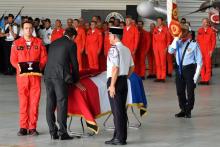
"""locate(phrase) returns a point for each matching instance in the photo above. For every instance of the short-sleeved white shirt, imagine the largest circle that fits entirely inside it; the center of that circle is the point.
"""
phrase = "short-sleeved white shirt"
(45, 35)
(119, 56)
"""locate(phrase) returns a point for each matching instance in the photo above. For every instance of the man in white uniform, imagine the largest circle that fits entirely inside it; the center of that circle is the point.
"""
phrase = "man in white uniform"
(120, 65)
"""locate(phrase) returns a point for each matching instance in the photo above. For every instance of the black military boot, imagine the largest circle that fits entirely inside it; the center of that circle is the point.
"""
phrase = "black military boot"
(22, 132)
(180, 114)
(65, 136)
(33, 132)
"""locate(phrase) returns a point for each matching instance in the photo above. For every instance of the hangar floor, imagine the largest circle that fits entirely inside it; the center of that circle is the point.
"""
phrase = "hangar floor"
(159, 128)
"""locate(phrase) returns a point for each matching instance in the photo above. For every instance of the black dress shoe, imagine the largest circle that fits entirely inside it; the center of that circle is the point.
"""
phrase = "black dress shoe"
(180, 114)
(162, 80)
(201, 83)
(157, 80)
(33, 132)
(22, 132)
(188, 115)
(54, 136)
(207, 83)
(65, 136)
(116, 142)
(169, 75)
(109, 141)
(154, 76)
(149, 77)
(143, 78)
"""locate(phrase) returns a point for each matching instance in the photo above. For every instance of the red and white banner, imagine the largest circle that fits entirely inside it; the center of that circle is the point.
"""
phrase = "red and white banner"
(214, 16)
(172, 18)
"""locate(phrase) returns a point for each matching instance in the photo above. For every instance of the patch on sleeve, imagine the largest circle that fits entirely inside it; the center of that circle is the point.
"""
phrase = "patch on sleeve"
(113, 56)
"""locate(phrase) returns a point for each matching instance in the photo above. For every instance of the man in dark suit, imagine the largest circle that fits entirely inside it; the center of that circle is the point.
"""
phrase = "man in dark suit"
(62, 55)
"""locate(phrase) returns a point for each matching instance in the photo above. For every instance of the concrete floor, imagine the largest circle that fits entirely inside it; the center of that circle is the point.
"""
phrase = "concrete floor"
(159, 129)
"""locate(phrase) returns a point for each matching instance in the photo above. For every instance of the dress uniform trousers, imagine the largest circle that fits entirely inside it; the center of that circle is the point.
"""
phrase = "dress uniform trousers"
(1, 53)
(6, 52)
(57, 98)
(118, 106)
(185, 83)
(47, 47)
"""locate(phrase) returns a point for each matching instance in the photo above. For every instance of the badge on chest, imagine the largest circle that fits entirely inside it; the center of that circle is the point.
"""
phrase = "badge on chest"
(20, 48)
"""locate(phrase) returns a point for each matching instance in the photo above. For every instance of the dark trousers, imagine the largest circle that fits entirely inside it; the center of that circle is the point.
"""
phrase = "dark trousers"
(1, 53)
(47, 47)
(185, 87)
(118, 106)
(57, 97)
(8, 68)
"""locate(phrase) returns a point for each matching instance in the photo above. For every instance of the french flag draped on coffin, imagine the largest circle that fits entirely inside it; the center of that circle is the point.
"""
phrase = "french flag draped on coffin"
(94, 102)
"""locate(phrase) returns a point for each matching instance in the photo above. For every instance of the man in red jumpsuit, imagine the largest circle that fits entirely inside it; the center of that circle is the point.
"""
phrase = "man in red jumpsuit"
(150, 55)
(28, 56)
(160, 45)
(143, 48)
(93, 46)
(80, 42)
(207, 41)
(170, 59)
(107, 44)
(130, 37)
(58, 31)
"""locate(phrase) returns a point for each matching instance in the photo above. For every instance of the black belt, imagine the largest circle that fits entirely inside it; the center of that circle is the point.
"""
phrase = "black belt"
(119, 77)
(123, 76)
(188, 66)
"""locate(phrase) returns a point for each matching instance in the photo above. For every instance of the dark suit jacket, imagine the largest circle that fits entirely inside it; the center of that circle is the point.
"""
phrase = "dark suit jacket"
(62, 61)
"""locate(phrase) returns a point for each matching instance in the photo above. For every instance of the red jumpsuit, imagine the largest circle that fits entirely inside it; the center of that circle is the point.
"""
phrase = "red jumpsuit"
(170, 58)
(80, 42)
(104, 52)
(29, 84)
(160, 45)
(130, 39)
(107, 44)
(56, 34)
(207, 41)
(151, 59)
(141, 54)
(93, 47)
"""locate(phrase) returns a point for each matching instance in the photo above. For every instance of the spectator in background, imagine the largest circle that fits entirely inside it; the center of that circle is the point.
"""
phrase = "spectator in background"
(112, 19)
(45, 33)
(122, 24)
(10, 34)
(110, 24)
(206, 39)
(42, 23)
(183, 21)
(87, 26)
(93, 45)
(69, 23)
(192, 33)
(37, 26)
(81, 22)
(58, 31)
(117, 22)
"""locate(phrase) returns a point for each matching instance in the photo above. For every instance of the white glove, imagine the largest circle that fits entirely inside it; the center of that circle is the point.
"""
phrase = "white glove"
(174, 43)
(196, 75)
